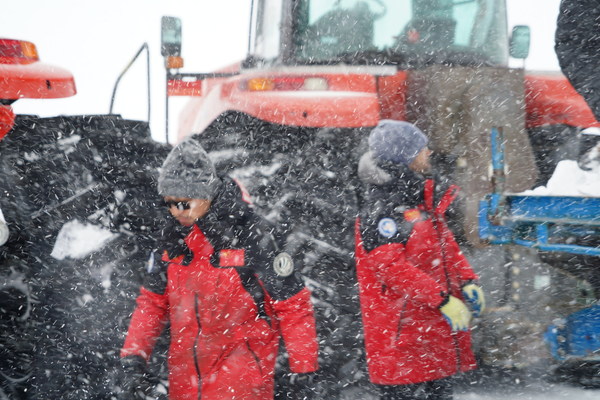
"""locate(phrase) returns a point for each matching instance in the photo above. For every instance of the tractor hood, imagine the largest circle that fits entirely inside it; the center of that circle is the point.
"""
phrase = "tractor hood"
(36, 81)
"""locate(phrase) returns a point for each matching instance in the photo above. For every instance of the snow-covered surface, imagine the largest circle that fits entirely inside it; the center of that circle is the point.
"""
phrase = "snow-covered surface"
(537, 391)
(570, 180)
(77, 240)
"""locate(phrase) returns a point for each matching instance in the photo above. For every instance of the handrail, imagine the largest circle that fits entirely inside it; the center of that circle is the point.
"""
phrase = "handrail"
(112, 99)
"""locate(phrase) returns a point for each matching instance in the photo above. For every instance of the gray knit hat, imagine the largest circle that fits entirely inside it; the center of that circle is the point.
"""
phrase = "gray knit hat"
(188, 172)
(396, 141)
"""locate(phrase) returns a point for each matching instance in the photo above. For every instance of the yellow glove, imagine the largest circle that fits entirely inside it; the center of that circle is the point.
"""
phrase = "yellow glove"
(456, 313)
(474, 295)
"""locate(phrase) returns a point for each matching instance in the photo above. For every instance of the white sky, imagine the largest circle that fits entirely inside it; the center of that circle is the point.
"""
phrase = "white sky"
(95, 40)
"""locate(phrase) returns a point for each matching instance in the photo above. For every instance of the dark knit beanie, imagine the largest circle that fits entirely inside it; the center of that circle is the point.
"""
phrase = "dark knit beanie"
(188, 172)
(398, 142)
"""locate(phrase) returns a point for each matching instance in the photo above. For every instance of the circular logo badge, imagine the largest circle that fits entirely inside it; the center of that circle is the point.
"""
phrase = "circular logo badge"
(387, 227)
(283, 265)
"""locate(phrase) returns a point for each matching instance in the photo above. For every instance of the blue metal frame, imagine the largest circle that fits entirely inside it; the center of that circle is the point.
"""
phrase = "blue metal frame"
(543, 222)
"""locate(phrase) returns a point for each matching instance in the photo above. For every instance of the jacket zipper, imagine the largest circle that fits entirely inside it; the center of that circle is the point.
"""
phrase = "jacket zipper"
(255, 358)
(448, 283)
(399, 328)
(436, 224)
(196, 344)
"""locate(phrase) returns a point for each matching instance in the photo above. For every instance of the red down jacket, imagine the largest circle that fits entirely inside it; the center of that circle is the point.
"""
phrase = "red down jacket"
(227, 312)
(407, 262)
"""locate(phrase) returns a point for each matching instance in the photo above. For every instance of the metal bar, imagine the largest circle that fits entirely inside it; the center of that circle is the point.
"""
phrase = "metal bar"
(564, 248)
(200, 76)
(114, 93)
(542, 233)
(47, 209)
(251, 28)
(557, 221)
(497, 199)
(167, 108)
(497, 140)
(555, 207)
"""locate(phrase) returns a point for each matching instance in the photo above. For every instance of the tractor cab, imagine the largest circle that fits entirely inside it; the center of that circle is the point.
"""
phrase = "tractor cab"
(407, 33)
(315, 63)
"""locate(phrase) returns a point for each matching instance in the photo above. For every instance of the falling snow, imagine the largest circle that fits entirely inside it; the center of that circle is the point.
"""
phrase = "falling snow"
(80, 211)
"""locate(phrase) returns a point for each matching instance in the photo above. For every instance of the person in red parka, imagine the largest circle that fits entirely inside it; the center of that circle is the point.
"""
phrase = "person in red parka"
(227, 291)
(413, 278)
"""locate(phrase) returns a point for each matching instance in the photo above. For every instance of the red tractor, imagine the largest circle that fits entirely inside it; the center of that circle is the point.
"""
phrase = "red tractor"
(291, 119)
(22, 75)
(442, 64)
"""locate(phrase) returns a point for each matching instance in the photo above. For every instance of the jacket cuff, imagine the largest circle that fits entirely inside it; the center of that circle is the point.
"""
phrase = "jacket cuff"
(445, 299)
(133, 361)
(303, 367)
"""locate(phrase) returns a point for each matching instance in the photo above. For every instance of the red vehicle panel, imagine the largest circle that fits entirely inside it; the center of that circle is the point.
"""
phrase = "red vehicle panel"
(22, 75)
(551, 100)
(35, 81)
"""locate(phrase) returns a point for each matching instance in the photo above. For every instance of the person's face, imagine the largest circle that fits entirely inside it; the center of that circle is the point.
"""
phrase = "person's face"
(422, 162)
(187, 211)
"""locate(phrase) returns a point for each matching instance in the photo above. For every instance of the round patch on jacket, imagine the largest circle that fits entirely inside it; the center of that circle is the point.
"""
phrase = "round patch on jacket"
(387, 227)
(283, 265)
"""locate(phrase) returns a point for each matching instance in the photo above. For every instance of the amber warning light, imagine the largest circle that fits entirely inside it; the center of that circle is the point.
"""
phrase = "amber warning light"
(17, 51)
(285, 83)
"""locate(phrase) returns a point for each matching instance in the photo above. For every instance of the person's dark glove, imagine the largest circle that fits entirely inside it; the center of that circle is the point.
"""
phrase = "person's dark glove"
(131, 378)
(172, 240)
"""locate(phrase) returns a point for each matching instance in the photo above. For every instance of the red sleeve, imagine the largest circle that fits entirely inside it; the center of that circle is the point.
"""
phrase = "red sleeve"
(455, 257)
(403, 279)
(147, 323)
(297, 324)
(407, 281)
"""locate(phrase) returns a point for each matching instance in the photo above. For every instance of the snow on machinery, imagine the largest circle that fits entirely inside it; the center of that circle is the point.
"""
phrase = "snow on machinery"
(290, 122)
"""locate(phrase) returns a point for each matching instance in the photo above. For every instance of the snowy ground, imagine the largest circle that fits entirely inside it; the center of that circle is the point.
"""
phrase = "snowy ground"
(536, 391)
